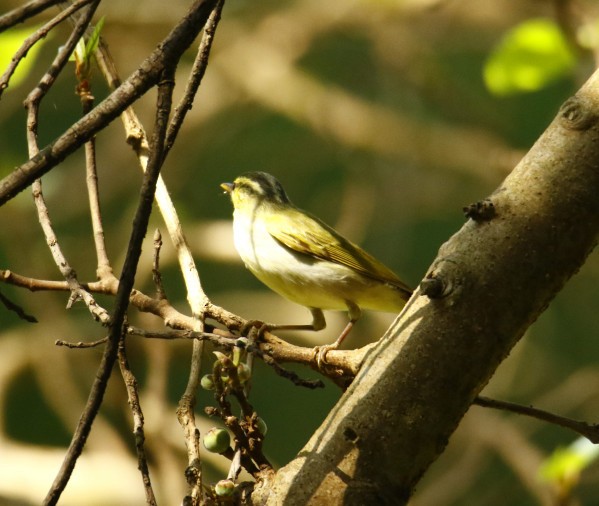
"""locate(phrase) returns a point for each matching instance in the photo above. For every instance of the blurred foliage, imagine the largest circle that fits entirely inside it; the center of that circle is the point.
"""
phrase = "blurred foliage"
(564, 465)
(376, 117)
(10, 42)
(530, 56)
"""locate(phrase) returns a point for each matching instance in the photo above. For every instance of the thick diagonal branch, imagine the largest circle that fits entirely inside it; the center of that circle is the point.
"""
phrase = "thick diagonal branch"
(492, 279)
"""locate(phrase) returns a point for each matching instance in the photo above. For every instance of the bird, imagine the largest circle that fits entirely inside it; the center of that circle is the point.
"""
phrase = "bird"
(305, 260)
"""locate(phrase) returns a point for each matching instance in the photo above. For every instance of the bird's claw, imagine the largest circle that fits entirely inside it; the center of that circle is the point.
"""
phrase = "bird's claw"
(320, 354)
(259, 325)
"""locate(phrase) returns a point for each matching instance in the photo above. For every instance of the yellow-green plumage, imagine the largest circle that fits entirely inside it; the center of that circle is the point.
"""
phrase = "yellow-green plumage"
(302, 258)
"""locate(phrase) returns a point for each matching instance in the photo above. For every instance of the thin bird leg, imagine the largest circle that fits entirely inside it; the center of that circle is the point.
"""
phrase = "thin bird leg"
(354, 313)
(318, 323)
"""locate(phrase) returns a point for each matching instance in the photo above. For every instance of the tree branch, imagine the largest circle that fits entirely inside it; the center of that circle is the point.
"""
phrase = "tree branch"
(497, 277)
(197, 73)
(146, 76)
(590, 431)
(39, 34)
(138, 422)
(140, 224)
(20, 14)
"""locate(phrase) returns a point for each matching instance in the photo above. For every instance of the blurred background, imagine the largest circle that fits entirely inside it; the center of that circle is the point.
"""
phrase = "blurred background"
(382, 117)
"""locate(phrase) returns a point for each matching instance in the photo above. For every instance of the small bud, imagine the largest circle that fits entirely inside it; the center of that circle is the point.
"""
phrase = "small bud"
(224, 488)
(243, 372)
(221, 356)
(207, 382)
(216, 440)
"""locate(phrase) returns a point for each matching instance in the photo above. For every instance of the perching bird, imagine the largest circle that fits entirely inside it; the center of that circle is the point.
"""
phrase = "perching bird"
(305, 260)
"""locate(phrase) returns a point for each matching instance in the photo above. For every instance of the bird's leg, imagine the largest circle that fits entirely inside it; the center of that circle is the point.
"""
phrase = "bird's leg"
(318, 323)
(354, 313)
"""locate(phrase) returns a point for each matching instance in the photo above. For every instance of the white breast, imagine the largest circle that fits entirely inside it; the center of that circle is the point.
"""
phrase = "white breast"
(309, 282)
(306, 280)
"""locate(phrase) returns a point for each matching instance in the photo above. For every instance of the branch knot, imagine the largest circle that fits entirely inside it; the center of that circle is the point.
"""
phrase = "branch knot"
(577, 114)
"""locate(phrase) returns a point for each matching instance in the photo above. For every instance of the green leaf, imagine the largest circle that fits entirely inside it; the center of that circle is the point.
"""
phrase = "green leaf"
(10, 42)
(78, 54)
(565, 464)
(528, 58)
(94, 39)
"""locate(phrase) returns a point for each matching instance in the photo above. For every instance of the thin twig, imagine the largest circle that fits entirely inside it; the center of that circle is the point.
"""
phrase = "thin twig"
(160, 308)
(77, 290)
(20, 14)
(140, 224)
(138, 422)
(285, 373)
(80, 344)
(11, 306)
(196, 296)
(222, 341)
(146, 76)
(590, 431)
(197, 73)
(156, 275)
(103, 270)
(274, 349)
(37, 36)
(235, 467)
(33, 103)
(186, 417)
(35, 285)
(89, 413)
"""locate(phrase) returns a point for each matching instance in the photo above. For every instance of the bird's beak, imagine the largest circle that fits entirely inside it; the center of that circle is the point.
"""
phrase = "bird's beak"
(227, 187)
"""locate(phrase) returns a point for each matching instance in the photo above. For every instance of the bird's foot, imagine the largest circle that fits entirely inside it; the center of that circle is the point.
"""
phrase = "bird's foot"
(320, 354)
(259, 325)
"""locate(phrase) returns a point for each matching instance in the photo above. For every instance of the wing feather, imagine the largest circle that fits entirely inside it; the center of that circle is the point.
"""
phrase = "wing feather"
(306, 234)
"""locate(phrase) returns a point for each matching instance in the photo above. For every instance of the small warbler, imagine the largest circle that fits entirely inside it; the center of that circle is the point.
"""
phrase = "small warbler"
(305, 260)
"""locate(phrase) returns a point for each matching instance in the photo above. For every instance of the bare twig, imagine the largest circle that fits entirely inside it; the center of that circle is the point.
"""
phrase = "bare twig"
(272, 350)
(142, 302)
(235, 468)
(80, 344)
(590, 431)
(287, 374)
(156, 275)
(23, 12)
(77, 290)
(103, 270)
(215, 336)
(146, 76)
(140, 224)
(138, 422)
(38, 35)
(32, 103)
(186, 417)
(11, 306)
(36, 285)
(196, 296)
(197, 73)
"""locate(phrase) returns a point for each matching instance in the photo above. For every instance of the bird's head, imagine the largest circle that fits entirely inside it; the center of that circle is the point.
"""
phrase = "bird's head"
(254, 188)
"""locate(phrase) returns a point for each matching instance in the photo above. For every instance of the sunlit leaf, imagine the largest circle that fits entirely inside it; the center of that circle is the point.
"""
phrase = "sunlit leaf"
(564, 466)
(94, 39)
(78, 55)
(10, 42)
(529, 57)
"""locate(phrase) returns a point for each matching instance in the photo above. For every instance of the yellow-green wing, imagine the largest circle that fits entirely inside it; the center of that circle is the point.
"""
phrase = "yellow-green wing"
(306, 234)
